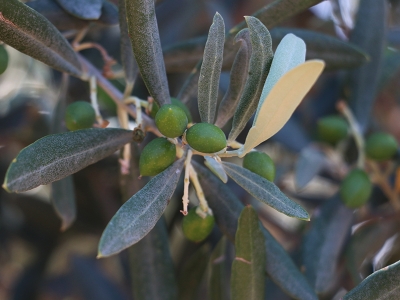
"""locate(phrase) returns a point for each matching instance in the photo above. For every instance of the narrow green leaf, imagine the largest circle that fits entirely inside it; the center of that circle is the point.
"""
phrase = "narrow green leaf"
(380, 285)
(218, 283)
(265, 191)
(260, 62)
(336, 54)
(238, 77)
(216, 168)
(63, 200)
(324, 243)
(129, 63)
(211, 70)
(370, 36)
(29, 32)
(57, 15)
(290, 53)
(248, 279)
(279, 266)
(83, 9)
(309, 163)
(153, 276)
(146, 45)
(109, 14)
(191, 85)
(141, 212)
(390, 67)
(58, 155)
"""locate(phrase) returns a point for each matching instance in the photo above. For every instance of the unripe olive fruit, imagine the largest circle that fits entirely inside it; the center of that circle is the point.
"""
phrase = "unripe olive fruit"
(261, 164)
(176, 102)
(206, 138)
(171, 120)
(158, 155)
(79, 115)
(381, 146)
(195, 228)
(332, 129)
(3, 59)
(355, 189)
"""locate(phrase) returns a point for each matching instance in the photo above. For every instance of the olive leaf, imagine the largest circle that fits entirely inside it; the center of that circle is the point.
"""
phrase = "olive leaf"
(83, 9)
(152, 268)
(216, 168)
(109, 14)
(380, 285)
(248, 275)
(146, 45)
(58, 155)
(238, 77)
(29, 32)
(281, 102)
(141, 212)
(210, 70)
(218, 281)
(309, 163)
(290, 53)
(260, 62)
(63, 200)
(265, 191)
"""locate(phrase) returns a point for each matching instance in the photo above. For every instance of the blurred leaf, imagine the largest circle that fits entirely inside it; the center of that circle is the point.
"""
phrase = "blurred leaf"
(309, 163)
(146, 45)
(382, 284)
(153, 276)
(109, 14)
(248, 279)
(336, 54)
(29, 32)
(141, 212)
(58, 155)
(211, 70)
(260, 62)
(265, 191)
(290, 53)
(281, 102)
(279, 266)
(83, 9)
(324, 243)
(128, 59)
(390, 66)
(192, 274)
(370, 36)
(191, 85)
(63, 200)
(216, 168)
(57, 15)
(365, 243)
(219, 277)
(238, 77)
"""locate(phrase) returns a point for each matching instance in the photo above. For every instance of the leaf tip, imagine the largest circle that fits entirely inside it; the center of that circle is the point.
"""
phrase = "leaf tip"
(4, 186)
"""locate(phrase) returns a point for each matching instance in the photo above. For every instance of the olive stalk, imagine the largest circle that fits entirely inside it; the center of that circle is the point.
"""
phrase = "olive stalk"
(93, 99)
(203, 204)
(186, 182)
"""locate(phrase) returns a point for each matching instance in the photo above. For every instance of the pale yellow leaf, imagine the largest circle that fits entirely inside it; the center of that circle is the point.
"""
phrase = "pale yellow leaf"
(281, 102)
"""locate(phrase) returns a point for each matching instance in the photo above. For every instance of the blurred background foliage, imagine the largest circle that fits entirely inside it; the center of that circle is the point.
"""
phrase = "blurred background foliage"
(335, 251)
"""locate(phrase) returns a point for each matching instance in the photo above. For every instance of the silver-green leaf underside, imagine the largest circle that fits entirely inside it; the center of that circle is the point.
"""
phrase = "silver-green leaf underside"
(83, 9)
(58, 155)
(63, 200)
(141, 212)
(146, 45)
(211, 70)
(29, 32)
(260, 62)
(216, 168)
(248, 271)
(238, 77)
(290, 53)
(380, 285)
(265, 191)
(309, 163)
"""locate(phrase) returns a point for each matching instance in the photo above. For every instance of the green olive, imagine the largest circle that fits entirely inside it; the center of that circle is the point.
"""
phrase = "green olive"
(356, 188)
(158, 155)
(79, 115)
(381, 146)
(206, 138)
(3, 59)
(261, 164)
(176, 102)
(332, 129)
(195, 228)
(171, 120)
